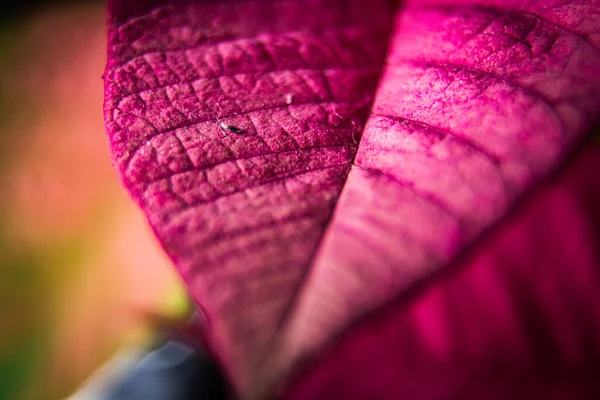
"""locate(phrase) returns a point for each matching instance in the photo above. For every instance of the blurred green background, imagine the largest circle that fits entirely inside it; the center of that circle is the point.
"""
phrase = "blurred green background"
(79, 269)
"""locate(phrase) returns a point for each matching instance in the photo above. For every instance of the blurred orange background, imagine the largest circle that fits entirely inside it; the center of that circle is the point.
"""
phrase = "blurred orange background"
(79, 267)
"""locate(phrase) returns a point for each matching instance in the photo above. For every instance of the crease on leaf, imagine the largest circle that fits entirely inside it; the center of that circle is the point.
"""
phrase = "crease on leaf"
(514, 316)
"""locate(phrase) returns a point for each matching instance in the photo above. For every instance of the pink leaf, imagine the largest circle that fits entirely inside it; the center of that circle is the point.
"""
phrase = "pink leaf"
(517, 318)
(235, 126)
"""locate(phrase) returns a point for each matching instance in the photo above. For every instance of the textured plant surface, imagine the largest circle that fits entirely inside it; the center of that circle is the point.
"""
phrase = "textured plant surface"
(305, 163)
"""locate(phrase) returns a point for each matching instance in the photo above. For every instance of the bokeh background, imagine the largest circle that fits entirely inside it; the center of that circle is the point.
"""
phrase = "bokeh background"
(80, 271)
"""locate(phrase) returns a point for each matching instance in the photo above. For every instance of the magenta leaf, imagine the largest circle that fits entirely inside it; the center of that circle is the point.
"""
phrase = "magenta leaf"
(306, 162)
(518, 318)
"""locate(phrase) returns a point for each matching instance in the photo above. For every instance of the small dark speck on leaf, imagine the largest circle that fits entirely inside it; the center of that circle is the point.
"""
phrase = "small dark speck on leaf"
(230, 128)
